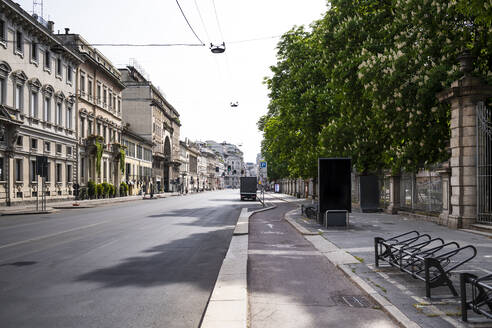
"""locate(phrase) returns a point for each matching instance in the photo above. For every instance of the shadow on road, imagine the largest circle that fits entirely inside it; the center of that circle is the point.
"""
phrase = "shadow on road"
(19, 264)
(200, 215)
(195, 259)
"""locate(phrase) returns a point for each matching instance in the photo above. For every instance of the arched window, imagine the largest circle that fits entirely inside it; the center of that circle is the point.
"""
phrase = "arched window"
(19, 78)
(4, 73)
(34, 87)
(48, 92)
(69, 115)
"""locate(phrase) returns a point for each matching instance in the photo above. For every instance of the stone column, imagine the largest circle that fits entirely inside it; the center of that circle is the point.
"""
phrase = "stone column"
(394, 202)
(463, 96)
(117, 176)
(445, 174)
(9, 170)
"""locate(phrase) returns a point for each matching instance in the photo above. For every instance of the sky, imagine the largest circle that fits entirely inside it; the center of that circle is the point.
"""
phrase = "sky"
(199, 84)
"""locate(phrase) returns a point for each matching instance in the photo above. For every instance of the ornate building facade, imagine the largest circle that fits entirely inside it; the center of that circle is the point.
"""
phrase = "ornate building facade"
(138, 163)
(150, 115)
(37, 108)
(99, 120)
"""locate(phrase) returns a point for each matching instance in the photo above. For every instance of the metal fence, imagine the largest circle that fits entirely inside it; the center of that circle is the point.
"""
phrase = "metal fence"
(418, 192)
(384, 191)
(484, 164)
(421, 191)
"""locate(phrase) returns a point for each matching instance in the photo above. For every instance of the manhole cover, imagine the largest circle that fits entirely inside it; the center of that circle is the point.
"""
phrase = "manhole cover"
(352, 301)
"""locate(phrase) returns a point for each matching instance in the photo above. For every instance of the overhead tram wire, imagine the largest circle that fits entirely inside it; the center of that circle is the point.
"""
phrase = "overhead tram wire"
(101, 44)
(256, 39)
(228, 69)
(191, 28)
(147, 45)
(201, 19)
(209, 39)
(217, 19)
(218, 48)
(176, 44)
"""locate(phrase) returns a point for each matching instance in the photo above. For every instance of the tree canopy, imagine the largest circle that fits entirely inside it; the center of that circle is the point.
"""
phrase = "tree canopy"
(361, 82)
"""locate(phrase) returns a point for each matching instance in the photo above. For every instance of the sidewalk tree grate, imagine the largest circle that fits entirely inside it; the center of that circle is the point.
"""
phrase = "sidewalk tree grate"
(352, 301)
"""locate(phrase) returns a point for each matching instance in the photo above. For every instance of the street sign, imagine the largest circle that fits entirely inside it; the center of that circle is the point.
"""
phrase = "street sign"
(263, 164)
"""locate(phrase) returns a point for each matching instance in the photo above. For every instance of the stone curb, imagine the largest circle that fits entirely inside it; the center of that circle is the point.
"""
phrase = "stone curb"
(30, 212)
(332, 252)
(242, 226)
(385, 304)
(65, 205)
(68, 207)
(228, 304)
(477, 232)
(297, 226)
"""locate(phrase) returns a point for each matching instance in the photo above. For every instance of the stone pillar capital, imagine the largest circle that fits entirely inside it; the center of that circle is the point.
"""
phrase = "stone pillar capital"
(467, 86)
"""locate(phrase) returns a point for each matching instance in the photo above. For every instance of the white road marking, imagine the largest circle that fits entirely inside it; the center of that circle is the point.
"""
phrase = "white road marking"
(51, 235)
(481, 269)
(281, 252)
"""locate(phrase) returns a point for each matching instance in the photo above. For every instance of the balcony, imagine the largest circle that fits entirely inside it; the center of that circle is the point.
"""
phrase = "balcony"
(90, 142)
(116, 150)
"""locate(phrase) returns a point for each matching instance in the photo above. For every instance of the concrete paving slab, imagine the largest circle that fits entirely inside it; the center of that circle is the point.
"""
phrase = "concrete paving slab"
(238, 266)
(228, 305)
(295, 315)
(397, 290)
(336, 255)
(225, 310)
(340, 257)
(226, 324)
(242, 223)
(291, 284)
(321, 244)
(230, 288)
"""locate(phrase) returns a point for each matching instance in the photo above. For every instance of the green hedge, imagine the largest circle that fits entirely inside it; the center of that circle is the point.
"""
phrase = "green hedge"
(123, 189)
(91, 189)
(99, 190)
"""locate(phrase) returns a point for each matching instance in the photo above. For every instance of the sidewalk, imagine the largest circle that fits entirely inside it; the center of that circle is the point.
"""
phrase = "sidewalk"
(402, 291)
(292, 284)
(69, 204)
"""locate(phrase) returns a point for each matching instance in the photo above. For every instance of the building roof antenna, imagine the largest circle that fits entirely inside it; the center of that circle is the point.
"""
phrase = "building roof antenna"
(37, 8)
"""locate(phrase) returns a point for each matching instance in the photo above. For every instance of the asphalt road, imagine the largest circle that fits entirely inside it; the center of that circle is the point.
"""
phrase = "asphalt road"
(148, 263)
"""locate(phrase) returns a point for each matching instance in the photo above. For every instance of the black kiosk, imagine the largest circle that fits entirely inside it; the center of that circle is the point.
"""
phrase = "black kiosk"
(334, 190)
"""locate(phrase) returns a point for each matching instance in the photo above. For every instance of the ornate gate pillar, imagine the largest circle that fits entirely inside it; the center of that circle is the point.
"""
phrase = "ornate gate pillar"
(394, 193)
(445, 174)
(463, 95)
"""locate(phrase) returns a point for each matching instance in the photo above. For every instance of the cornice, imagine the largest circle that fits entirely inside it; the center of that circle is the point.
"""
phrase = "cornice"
(20, 17)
